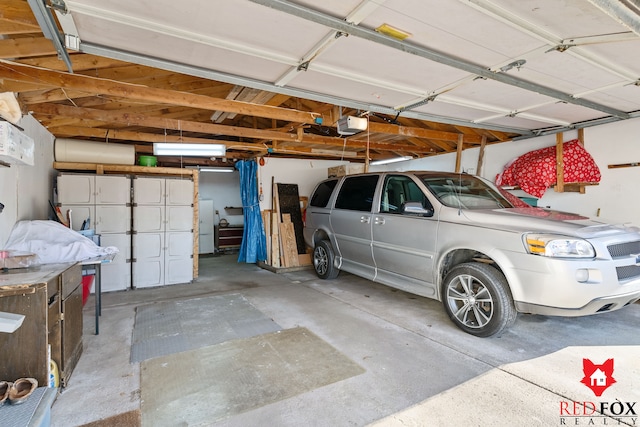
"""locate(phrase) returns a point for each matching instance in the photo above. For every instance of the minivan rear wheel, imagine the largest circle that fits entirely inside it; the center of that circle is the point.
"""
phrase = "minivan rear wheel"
(323, 261)
(477, 299)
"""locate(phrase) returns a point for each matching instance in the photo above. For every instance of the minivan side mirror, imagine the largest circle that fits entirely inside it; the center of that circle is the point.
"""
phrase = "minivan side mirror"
(415, 208)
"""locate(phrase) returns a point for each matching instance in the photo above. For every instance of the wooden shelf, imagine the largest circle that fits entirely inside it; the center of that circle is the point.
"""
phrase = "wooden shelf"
(234, 210)
(575, 187)
(569, 187)
(100, 168)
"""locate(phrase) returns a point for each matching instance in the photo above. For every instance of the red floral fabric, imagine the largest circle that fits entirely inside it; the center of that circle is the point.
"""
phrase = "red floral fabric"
(535, 171)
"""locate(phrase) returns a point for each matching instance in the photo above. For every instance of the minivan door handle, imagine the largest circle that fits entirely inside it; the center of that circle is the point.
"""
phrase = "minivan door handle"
(365, 219)
(378, 220)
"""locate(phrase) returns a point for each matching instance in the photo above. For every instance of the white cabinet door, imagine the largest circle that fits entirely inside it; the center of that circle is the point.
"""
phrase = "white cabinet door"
(149, 191)
(76, 189)
(179, 191)
(178, 270)
(148, 218)
(112, 190)
(116, 276)
(179, 218)
(178, 259)
(122, 241)
(112, 219)
(148, 265)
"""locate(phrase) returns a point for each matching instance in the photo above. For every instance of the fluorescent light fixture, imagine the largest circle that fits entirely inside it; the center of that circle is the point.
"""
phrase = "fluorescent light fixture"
(179, 149)
(212, 168)
(208, 169)
(391, 160)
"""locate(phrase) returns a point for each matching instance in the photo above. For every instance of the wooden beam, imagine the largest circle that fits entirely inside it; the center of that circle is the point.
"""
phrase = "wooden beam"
(581, 136)
(80, 61)
(481, 156)
(459, 153)
(157, 122)
(126, 119)
(25, 47)
(11, 27)
(20, 72)
(18, 11)
(196, 222)
(420, 133)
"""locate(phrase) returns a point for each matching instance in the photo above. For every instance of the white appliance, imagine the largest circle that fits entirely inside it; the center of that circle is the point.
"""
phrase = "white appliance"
(162, 231)
(205, 226)
(105, 202)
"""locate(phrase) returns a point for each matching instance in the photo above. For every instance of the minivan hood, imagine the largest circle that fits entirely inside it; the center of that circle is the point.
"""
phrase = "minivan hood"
(543, 220)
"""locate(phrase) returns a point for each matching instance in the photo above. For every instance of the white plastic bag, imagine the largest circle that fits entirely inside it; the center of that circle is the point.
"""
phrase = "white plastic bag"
(52, 242)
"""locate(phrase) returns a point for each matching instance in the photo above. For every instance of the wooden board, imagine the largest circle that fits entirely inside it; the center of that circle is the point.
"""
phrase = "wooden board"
(288, 242)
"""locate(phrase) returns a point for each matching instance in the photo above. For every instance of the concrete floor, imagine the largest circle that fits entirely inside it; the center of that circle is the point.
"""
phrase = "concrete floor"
(420, 370)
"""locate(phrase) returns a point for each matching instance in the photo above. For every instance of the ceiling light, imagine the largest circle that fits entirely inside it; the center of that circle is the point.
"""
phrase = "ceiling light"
(390, 31)
(391, 160)
(179, 149)
(207, 169)
(211, 168)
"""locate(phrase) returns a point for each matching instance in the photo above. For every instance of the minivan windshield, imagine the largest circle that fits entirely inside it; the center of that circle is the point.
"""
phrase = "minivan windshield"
(465, 192)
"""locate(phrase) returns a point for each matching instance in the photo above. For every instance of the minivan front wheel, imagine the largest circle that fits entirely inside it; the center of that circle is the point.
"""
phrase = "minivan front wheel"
(323, 261)
(477, 299)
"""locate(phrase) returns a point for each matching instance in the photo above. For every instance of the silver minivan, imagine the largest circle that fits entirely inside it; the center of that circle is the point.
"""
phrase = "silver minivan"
(480, 250)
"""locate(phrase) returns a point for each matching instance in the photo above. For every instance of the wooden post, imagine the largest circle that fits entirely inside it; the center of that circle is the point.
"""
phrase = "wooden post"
(459, 153)
(196, 223)
(481, 155)
(559, 164)
(581, 136)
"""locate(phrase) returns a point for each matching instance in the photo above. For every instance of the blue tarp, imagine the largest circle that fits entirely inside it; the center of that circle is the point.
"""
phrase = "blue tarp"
(254, 241)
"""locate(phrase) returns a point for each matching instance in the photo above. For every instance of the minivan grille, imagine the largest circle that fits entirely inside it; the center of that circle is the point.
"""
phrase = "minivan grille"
(624, 249)
(628, 272)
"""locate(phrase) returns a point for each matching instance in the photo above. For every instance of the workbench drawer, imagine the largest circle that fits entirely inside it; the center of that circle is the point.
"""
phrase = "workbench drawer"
(69, 280)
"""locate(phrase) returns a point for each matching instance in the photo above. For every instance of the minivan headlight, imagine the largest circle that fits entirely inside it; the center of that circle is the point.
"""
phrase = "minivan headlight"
(557, 246)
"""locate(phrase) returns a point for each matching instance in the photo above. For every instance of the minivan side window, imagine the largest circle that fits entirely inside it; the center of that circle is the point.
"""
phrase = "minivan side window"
(399, 189)
(321, 196)
(356, 193)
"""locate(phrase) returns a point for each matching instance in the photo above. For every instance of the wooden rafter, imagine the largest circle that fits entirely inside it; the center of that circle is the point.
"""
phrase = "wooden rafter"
(95, 85)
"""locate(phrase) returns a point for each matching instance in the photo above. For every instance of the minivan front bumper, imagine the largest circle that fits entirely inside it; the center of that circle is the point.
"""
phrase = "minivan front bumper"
(598, 305)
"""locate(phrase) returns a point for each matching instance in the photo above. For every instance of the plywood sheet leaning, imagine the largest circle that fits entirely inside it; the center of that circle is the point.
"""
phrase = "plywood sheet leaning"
(289, 203)
(288, 242)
